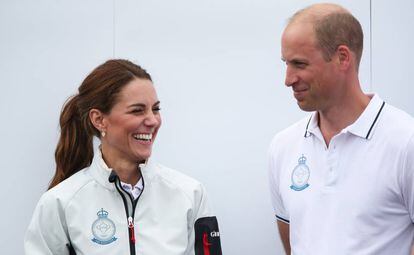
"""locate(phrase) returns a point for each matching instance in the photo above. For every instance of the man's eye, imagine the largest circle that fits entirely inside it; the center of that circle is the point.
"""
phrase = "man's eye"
(300, 64)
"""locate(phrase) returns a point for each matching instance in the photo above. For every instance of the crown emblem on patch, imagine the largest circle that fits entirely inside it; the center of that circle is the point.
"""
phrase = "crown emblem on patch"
(300, 175)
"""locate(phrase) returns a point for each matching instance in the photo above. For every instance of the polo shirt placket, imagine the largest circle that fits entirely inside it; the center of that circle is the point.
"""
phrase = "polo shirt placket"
(329, 155)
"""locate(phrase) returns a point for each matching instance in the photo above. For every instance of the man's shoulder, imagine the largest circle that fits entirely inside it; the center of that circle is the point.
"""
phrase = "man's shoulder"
(294, 131)
(398, 121)
(289, 137)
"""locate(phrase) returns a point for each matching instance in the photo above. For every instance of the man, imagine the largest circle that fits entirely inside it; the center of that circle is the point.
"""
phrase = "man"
(342, 180)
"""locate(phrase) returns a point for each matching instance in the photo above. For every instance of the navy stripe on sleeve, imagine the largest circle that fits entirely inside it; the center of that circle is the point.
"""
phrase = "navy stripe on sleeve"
(282, 219)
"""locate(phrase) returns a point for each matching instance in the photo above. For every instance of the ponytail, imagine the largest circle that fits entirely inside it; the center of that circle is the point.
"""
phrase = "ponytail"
(74, 150)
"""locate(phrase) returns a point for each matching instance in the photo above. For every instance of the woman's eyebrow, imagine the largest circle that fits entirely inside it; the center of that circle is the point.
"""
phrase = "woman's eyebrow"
(137, 105)
(142, 105)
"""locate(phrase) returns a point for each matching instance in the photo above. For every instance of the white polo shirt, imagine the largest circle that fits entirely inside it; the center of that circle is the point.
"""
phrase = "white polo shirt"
(355, 196)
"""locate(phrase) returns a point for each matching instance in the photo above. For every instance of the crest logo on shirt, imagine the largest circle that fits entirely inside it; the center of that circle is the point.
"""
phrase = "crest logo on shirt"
(103, 229)
(300, 175)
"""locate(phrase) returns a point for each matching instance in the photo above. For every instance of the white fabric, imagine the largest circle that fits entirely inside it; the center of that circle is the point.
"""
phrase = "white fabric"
(135, 190)
(360, 198)
(165, 214)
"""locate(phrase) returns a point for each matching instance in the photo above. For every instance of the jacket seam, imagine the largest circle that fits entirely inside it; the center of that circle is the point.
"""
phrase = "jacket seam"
(76, 192)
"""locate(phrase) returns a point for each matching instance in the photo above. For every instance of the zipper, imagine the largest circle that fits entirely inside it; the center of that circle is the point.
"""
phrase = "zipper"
(130, 205)
(131, 230)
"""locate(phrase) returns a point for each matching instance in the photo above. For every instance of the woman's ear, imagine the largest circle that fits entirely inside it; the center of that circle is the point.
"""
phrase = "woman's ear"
(98, 119)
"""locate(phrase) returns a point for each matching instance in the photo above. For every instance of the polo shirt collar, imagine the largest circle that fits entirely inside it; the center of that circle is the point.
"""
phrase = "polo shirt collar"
(362, 127)
(312, 126)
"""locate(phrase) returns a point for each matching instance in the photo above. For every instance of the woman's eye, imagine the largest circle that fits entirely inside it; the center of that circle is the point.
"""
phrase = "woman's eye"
(156, 109)
(136, 111)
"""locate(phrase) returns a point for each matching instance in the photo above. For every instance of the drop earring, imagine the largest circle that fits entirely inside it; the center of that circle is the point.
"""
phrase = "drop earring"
(103, 133)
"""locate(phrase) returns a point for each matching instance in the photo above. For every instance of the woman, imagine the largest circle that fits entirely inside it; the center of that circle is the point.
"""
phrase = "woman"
(116, 200)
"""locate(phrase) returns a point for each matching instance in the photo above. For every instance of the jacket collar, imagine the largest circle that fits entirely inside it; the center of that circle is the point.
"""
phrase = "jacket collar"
(100, 171)
(363, 127)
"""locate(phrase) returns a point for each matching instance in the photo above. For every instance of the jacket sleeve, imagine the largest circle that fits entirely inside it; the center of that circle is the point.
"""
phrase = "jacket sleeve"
(47, 232)
(204, 234)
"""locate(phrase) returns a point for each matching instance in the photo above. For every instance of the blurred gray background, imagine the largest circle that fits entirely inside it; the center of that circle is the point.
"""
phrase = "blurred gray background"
(217, 69)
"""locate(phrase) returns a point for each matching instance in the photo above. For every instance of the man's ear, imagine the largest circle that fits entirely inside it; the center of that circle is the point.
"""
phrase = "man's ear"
(344, 56)
(98, 119)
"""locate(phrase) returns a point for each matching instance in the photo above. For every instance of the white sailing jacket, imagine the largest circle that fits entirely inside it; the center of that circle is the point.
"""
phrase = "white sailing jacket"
(90, 213)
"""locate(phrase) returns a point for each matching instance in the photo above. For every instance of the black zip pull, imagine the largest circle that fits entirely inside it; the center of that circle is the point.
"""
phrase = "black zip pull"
(70, 248)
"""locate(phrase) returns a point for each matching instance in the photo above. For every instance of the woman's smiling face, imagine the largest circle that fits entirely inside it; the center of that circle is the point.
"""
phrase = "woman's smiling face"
(133, 122)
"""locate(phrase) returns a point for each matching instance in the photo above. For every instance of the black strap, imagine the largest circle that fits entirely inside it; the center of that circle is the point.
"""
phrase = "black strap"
(70, 248)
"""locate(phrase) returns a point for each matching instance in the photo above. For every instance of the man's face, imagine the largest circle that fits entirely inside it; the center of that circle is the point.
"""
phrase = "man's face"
(312, 79)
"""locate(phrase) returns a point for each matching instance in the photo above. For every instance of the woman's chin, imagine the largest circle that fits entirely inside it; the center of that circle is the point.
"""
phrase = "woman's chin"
(142, 156)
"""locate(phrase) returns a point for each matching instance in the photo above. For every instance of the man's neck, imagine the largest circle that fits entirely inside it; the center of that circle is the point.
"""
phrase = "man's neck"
(342, 114)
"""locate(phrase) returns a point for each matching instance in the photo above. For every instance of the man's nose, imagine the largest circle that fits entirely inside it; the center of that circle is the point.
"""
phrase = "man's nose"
(291, 76)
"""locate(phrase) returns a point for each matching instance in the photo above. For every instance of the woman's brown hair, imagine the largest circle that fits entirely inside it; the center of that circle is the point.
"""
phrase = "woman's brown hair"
(99, 90)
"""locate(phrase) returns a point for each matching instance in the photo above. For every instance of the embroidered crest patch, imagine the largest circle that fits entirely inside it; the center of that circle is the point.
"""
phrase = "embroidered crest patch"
(103, 229)
(300, 175)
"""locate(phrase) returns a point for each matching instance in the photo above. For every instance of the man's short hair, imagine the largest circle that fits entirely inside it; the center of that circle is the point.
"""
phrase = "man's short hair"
(333, 29)
(338, 29)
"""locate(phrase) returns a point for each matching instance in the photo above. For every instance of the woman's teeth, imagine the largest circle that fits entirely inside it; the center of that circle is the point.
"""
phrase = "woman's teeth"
(144, 137)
